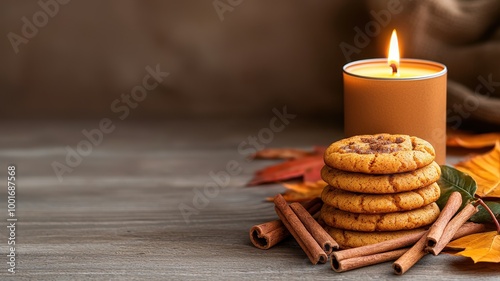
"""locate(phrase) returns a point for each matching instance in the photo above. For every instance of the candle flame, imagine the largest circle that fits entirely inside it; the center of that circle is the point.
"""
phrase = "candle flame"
(393, 57)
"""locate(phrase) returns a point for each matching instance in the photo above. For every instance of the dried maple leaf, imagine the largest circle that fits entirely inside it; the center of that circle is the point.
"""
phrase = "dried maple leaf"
(313, 173)
(289, 169)
(303, 191)
(485, 169)
(460, 139)
(481, 247)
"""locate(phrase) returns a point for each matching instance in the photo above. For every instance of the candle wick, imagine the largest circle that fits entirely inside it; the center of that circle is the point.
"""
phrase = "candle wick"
(394, 68)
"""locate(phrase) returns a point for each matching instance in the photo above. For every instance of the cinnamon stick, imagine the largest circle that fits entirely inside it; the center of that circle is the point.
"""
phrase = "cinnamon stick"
(378, 247)
(412, 256)
(358, 257)
(266, 235)
(452, 227)
(469, 228)
(317, 232)
(314, 206)
(449, 210)
(362, 261)
(408, 259)
(299, 231)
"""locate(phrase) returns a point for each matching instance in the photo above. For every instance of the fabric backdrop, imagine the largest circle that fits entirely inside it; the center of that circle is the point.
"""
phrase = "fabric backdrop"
(465, 36)
(238, 58)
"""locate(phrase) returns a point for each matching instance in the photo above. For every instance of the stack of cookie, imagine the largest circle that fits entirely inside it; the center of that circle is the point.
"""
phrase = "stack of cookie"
(380, 187)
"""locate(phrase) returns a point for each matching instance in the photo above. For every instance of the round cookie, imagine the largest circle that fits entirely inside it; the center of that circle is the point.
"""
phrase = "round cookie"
(380, 222)
(381, 184)
(352, 239)
(379, 154)
(384, 203)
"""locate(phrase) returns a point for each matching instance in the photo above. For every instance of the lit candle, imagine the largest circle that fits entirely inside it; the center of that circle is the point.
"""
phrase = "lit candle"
(397, 96)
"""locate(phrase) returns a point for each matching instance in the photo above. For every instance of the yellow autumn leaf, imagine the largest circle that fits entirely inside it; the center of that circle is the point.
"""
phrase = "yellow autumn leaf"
(485, 169)
(306, 187)
(302, 191)
(481, 247)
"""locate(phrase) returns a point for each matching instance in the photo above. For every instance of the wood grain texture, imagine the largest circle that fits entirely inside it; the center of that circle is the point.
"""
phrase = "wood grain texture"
(116, 216)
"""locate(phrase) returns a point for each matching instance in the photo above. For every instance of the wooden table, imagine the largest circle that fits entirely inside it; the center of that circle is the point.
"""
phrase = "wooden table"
(116, 215)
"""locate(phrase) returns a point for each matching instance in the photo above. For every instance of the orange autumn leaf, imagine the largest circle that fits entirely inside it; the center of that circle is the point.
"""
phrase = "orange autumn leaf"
(485, 169)
(303, 191)
(481, 247)
(460, 139)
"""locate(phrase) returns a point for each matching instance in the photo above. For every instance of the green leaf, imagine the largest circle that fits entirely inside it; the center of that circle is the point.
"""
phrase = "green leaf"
(483, 216)
(453, 180)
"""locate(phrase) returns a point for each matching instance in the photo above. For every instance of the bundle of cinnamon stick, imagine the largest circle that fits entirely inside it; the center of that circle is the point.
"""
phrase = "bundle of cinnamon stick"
(266, 235)
(311, 236)
(317, 244)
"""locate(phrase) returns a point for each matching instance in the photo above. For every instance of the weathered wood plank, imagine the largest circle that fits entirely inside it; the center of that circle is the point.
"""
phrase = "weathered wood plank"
(116, 216)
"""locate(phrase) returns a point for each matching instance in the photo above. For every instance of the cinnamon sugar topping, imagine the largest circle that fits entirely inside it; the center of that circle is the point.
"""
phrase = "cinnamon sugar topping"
(372, 145)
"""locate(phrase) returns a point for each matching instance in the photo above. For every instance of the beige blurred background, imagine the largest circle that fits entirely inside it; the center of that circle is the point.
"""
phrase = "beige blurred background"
(263, 54)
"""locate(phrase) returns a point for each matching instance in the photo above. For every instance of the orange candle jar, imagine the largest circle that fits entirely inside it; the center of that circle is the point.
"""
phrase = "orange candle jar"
(413, 102)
